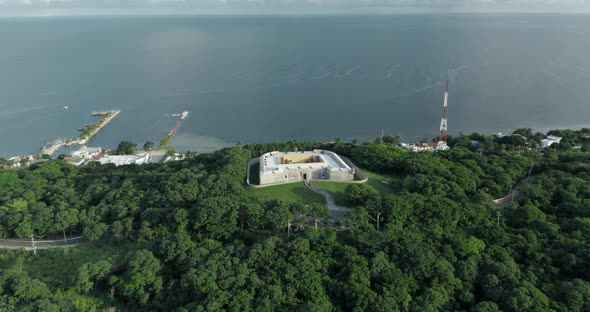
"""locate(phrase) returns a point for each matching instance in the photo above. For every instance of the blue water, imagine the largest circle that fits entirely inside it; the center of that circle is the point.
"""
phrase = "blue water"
(262, 79)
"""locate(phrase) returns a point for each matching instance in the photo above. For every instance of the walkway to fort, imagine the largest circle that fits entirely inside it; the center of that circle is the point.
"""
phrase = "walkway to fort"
(337, 213)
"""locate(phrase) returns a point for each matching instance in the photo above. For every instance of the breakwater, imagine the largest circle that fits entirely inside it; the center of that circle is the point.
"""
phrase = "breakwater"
(86, 134)
(165, 140)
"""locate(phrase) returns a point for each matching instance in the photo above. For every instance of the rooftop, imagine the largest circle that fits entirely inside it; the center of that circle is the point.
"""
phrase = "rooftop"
(120, 160)
(279, 161)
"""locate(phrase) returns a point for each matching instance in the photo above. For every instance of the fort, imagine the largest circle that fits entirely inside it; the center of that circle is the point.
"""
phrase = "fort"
(287, 167)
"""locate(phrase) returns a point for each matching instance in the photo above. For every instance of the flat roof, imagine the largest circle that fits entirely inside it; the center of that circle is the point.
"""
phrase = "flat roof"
(122, 159)
(271, 162)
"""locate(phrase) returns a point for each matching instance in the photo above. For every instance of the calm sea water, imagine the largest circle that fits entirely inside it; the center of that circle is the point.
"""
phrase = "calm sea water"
(261, 79)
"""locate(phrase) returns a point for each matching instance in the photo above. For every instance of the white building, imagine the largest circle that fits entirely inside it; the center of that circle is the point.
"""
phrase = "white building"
(84, 155)
(427, 147)
(550, 140)
(76, 161)
(278, 167)
(19, 161)
(87, 152)
(442, 146)
(120, 160)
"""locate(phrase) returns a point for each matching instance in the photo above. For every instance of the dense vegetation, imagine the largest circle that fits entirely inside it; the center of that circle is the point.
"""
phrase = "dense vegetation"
(190, 236)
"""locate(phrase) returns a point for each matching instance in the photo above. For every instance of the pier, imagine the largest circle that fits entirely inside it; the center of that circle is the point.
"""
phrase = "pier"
(87, 133)
(164, 141)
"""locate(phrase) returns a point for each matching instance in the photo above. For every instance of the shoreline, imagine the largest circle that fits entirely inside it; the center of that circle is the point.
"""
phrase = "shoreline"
(106, 120)
(82, 139)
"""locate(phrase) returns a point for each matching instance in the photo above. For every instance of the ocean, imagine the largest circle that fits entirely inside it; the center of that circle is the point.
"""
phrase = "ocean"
(276, 78)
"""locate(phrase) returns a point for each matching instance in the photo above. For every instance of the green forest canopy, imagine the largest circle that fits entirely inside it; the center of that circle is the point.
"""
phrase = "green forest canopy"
(189, 236)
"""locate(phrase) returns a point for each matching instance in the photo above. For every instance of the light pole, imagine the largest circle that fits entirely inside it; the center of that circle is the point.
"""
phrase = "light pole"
(34, 246)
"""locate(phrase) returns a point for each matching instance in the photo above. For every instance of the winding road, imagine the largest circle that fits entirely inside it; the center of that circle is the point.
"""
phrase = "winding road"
(42, 243)
(516, 195)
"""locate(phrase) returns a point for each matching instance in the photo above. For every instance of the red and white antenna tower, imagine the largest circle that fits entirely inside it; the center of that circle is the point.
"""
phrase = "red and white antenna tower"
(442, 136)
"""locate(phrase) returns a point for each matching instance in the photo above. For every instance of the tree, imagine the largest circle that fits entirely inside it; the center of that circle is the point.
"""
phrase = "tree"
(216, 217)
(485, 306)
(4, 163)
(387, 139)
(148, 145)
(212, 244)
(319, 212)
(95, 231)
(126, 148)
(277, 214)
(376, 210)
(141, 281)
(378, 157)
(24, 287)
(90, 273)
(358, 194)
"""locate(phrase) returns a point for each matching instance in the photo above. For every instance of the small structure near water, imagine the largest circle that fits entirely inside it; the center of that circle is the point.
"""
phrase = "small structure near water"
(550, 140)
(287, 167)
(85, 155)
(428, 146)
(120, 160)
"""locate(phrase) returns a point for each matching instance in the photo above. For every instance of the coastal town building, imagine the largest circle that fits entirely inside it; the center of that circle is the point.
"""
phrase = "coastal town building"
(87, 152)
(550, 140)
(426, 146)
(119, 160)
(22, 161)
(85, 155)
(76, 161)
(287, 167)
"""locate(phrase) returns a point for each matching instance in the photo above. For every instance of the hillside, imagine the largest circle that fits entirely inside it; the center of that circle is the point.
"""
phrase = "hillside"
(190, 236)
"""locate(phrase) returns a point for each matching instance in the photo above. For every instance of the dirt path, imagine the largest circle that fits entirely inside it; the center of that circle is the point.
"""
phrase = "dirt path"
(337, 213)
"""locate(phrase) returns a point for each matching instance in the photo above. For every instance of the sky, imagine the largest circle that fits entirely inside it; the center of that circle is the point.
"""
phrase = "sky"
(92, 7)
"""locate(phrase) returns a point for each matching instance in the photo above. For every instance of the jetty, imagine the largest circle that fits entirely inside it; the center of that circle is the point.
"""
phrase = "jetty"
(164, 141)
(87, 133)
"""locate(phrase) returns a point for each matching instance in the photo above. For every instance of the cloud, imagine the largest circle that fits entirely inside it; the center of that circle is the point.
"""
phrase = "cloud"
(278, 5)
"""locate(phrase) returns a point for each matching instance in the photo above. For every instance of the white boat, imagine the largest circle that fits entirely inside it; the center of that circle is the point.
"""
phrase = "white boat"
(65, 107)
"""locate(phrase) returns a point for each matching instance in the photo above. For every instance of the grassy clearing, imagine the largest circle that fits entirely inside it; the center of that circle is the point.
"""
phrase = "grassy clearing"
(292, 192)
(384, 183)
(336, 189)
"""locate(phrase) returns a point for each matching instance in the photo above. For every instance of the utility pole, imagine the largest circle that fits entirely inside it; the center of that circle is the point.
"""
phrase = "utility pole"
(288, 228)
(381, 135)
(34, 246)
(65, 239)
(498, 213)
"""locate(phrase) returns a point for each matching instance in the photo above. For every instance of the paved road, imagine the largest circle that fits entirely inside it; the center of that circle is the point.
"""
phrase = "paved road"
(337, 213)
(42, 243)
(516, 194)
